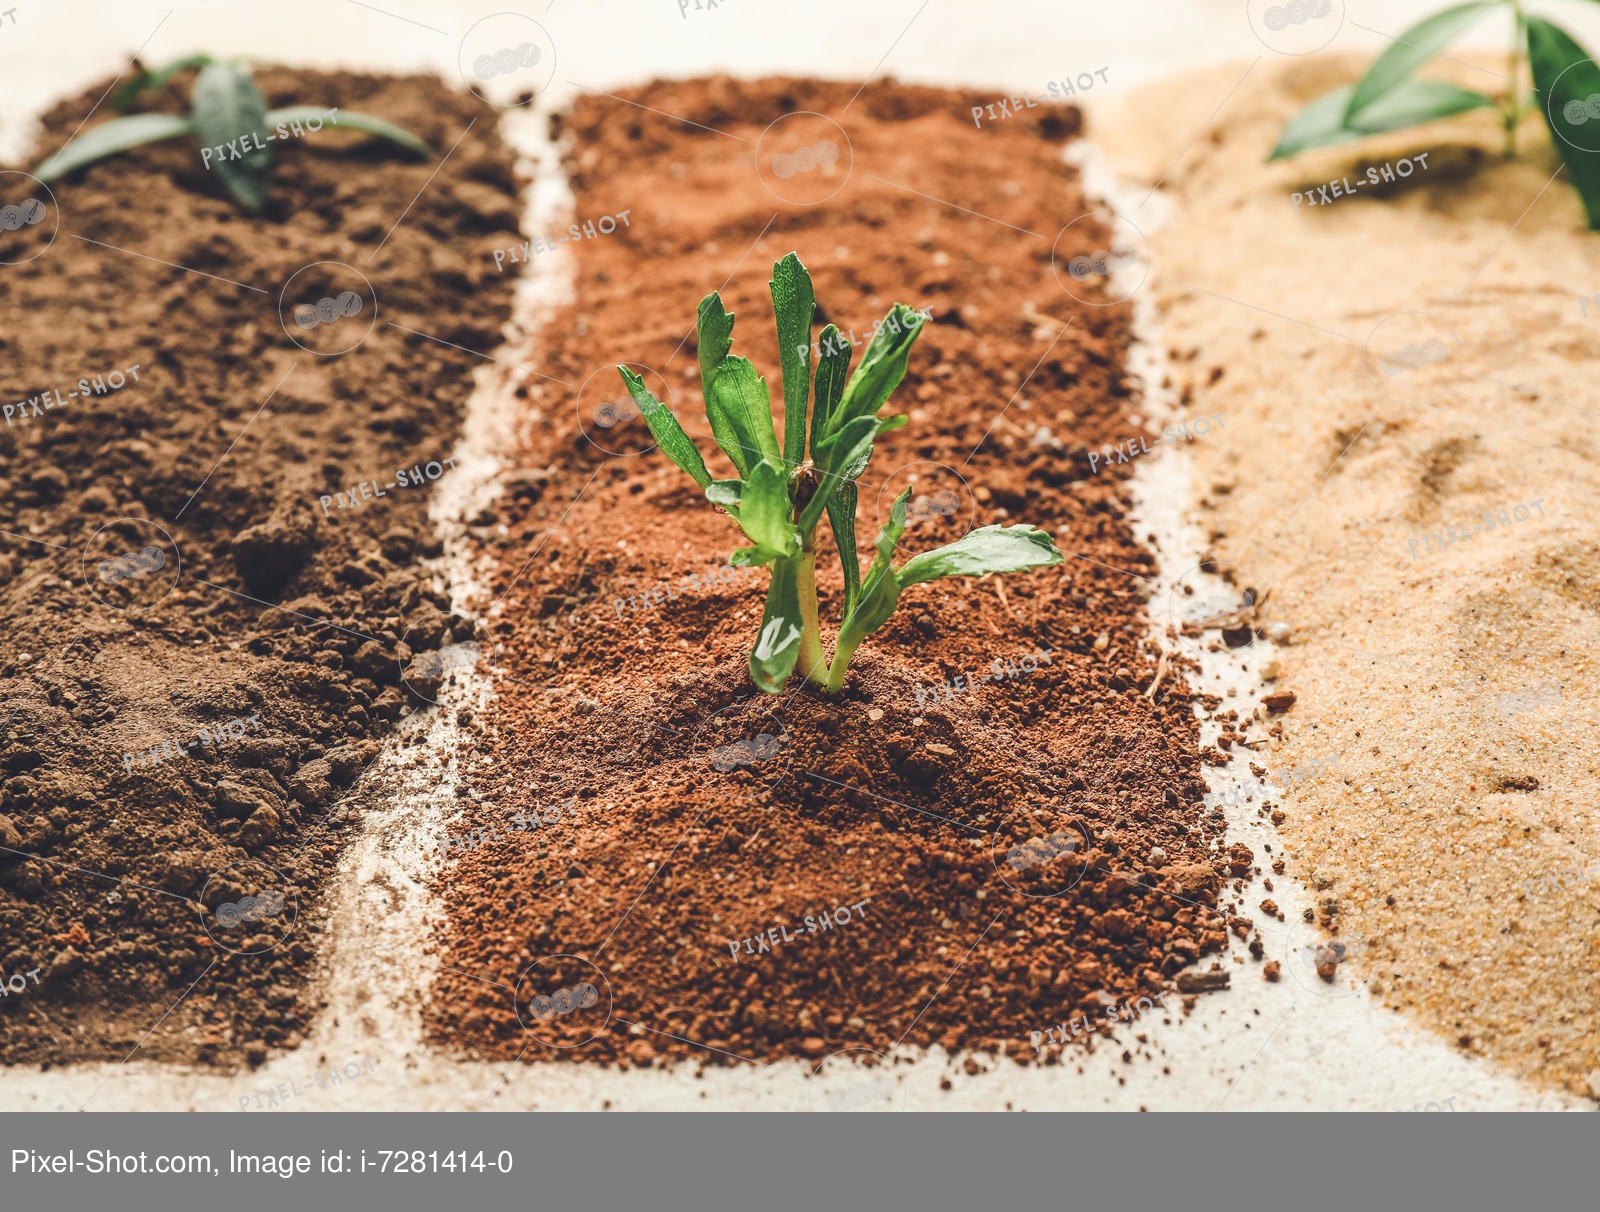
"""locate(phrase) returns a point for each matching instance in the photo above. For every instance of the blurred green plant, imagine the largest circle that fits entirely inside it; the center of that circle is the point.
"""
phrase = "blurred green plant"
(225, 108)
(1390, 98)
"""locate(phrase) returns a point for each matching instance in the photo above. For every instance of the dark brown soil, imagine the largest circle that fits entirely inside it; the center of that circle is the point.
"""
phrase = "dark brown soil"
(280, 616)
(664, 858)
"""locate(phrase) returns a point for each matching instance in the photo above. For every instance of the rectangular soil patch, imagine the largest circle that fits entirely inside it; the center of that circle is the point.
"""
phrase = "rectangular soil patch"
(200, 656)
(758, 877)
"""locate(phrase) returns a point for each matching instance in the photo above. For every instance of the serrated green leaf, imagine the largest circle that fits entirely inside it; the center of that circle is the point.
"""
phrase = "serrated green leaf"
(987, 549)
(714, 326)
(230, 114)
(1412, 103)
(1551, 52)
(833, 368)
(339, 119)
(134, 85)
(108, 138)
(1410, 50)
(777, 647)
(764, 510)
(883, 365)
(842, 521)
(794, 302)
(740, 412)
(675, 444)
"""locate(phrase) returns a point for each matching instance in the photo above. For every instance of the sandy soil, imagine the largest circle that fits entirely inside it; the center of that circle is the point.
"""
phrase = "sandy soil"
(1446, 678)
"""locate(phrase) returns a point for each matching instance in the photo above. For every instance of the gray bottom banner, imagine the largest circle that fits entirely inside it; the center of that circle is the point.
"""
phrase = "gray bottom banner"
(359, 1161)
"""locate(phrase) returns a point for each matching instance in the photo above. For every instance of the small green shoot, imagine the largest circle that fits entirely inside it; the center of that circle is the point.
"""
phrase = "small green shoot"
(781, 493)
(229, 116)
(1390, 98)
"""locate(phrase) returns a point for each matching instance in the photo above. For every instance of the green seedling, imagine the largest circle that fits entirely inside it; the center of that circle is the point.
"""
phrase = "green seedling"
(229, 116)
(780, 496)
(1566, 84)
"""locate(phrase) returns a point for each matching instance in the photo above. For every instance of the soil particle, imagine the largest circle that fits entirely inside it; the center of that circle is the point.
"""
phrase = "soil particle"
(1202, 982)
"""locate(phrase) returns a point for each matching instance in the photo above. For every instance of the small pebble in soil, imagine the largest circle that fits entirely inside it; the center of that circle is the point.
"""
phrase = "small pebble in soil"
(1279, 633)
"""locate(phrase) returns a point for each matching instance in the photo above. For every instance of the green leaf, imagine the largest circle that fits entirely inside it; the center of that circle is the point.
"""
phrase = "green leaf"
(715, 328)
(230, 110)
(111, 137)
(794, 302)
(853, 468)
(751, 557)
(1551, 51)
(726, 493)
(777, 647)
(1417, 102)
(1410, 51)
(764, 512)
(740, 412)
(1321, 124)
(987, 549)
(883, 365)
(677, 445)
(832, 368)
(339, 119)
(134, 85)
(880, 593)
(839, 451)
(842, 521)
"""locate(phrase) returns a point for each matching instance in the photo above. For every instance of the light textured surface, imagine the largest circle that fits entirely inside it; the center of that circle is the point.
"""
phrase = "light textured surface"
(1231, 231)
(1439, 676)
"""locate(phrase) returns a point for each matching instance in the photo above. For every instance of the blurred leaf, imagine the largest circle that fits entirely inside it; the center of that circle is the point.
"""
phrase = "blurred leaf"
(111, 137)
(1321, 124)
(132, 87)
(1568, 106)
(1410, 50)
(342, 118)
(229, 109)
